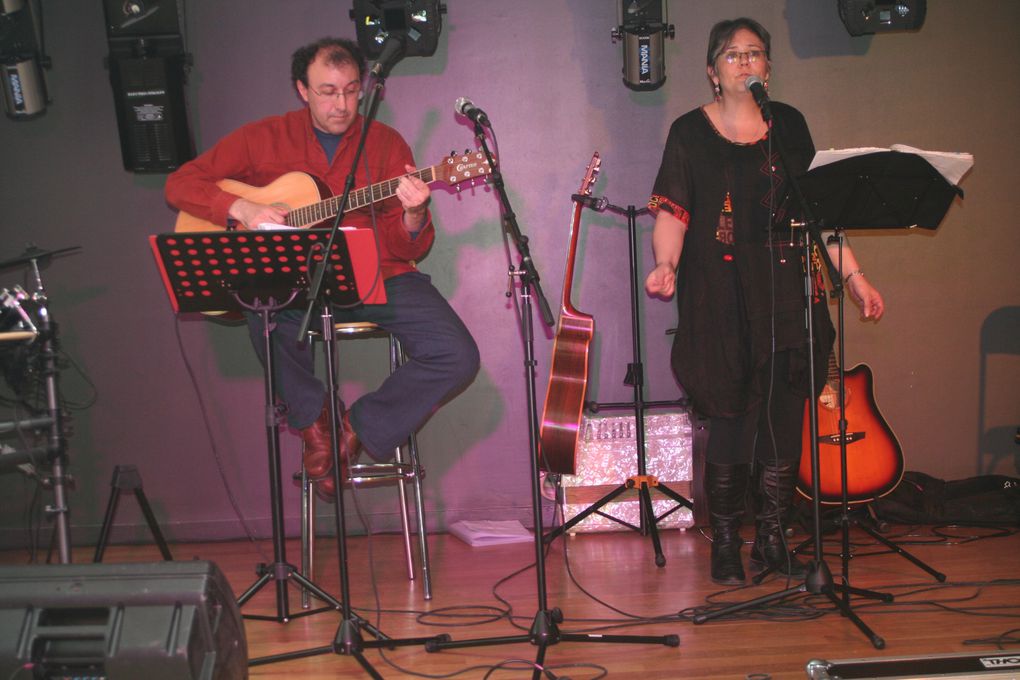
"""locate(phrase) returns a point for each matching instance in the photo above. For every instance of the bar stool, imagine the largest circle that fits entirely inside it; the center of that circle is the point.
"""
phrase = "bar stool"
(406, 468)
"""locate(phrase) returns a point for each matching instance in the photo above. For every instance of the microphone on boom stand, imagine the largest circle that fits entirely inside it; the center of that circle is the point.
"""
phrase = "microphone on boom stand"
(761, 97)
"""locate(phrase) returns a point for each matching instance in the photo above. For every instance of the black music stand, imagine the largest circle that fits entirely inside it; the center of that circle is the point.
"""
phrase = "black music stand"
(882, 190)
(643, 482)
(879, 190)
(263, 272)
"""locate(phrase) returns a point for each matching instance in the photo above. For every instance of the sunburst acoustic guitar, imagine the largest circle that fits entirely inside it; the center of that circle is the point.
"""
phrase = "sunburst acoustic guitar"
(874, 457)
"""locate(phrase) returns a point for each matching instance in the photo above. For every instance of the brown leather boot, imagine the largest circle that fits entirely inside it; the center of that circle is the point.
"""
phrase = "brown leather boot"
(325, 488)
(317, 455)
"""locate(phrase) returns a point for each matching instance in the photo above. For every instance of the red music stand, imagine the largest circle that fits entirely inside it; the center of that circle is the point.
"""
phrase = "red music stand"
(222, 271)
(263, 272)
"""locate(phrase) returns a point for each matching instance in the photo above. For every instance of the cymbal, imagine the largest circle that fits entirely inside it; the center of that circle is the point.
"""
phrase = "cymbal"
(36, 253)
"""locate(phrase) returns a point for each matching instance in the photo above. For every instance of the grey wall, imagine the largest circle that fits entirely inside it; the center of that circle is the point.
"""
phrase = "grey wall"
(182, 398)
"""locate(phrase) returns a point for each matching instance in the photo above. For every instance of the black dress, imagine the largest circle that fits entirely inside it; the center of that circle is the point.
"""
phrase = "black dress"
(729, 320)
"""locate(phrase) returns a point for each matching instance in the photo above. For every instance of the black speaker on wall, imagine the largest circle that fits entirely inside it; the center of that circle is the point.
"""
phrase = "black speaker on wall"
(148, 621)
(148, 67)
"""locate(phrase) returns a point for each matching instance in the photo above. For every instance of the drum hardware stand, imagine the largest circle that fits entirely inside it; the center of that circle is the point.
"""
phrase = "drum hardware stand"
(544, 631)
(127, 478)
(644, 482)
(845, 518)
(818, 580)
(55, 450)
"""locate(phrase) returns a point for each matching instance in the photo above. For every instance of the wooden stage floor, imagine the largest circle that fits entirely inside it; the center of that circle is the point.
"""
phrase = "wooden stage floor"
(607, 583)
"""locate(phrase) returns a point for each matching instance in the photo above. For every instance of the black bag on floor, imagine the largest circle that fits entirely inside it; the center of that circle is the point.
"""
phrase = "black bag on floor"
(923, 499)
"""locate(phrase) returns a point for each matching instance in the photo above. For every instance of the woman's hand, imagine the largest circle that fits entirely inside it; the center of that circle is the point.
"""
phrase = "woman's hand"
(869, 299)
(661, 281)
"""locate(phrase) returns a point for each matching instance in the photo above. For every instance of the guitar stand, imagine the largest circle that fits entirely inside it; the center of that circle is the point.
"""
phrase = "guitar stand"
(126, 478)
(643, 482)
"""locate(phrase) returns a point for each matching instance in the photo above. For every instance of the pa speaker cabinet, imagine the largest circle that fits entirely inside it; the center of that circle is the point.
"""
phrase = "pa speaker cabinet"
(147, 621)
(152, 114)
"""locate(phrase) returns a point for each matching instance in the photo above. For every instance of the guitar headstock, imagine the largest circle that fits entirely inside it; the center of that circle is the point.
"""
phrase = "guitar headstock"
(457, 168)
(591, 174)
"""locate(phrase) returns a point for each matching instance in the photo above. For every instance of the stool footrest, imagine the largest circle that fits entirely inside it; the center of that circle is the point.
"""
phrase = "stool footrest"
(373, 472)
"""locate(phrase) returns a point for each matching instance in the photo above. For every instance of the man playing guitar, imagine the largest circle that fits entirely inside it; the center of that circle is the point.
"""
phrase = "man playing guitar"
(321, 139)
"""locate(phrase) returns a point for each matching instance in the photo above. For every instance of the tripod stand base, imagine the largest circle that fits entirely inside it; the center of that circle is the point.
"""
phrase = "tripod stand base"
(545, 633)
(349, 642)
(817, 582)
(644, 485)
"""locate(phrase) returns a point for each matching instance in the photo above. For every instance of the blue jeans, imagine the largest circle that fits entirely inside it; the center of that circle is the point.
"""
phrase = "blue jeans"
(442, 359)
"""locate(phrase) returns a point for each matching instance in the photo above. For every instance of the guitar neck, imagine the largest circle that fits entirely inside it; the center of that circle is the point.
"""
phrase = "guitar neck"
(359, 198)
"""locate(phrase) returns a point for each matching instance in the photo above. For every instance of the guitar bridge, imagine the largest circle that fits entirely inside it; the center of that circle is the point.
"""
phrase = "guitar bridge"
(851, 437)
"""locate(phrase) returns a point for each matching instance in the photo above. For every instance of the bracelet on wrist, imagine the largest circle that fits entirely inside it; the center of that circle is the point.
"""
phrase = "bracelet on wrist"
(856, 272)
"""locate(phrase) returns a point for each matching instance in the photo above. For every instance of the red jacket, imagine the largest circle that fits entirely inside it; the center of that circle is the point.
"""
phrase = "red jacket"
(262, 151)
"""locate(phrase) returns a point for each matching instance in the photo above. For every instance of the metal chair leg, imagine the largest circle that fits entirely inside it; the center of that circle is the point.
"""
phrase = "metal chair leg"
(407, 468)
(307, 535)
(397, 359)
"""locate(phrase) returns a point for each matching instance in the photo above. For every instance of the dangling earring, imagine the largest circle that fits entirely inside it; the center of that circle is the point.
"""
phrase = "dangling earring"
(718, 90)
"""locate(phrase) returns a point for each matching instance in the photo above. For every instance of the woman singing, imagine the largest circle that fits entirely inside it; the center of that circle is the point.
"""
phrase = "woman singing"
(740, 351)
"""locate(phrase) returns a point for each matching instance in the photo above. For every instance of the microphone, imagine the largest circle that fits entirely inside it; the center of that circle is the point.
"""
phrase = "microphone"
(392, 52)
(466, 107)
(596, 204)
(761, 97)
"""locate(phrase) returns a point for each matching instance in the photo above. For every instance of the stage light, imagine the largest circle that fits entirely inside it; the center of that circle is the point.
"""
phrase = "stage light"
(862, 17)
(642, 30)
(21, 59)
(416, 23)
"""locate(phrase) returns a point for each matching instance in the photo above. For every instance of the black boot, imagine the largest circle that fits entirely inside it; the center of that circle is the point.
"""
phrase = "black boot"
(726, 488)
(777, 484)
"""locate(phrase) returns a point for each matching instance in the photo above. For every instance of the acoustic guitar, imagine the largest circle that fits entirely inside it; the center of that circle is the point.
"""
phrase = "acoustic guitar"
(874, 458)
(568, 373)
(308, 200)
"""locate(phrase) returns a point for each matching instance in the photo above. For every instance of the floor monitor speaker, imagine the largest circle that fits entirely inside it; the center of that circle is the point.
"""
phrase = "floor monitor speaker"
(150, 621)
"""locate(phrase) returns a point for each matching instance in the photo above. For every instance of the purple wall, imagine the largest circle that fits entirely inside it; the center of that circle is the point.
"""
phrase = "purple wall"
(550, 80)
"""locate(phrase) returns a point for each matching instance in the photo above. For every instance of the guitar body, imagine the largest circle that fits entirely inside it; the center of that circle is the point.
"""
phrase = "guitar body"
(874, 456)
(568, 371)
(564, 400)
(292, 190)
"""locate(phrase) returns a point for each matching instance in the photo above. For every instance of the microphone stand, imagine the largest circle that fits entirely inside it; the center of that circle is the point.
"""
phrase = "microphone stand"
(635, 378)
(347, 640)
(544, 631)
(818, 579)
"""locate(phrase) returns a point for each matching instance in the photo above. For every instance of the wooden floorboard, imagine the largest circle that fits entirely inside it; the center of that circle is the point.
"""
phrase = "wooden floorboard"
(981, 599)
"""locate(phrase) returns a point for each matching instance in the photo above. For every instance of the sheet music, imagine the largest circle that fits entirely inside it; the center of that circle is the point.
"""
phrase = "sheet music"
(951, 165)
